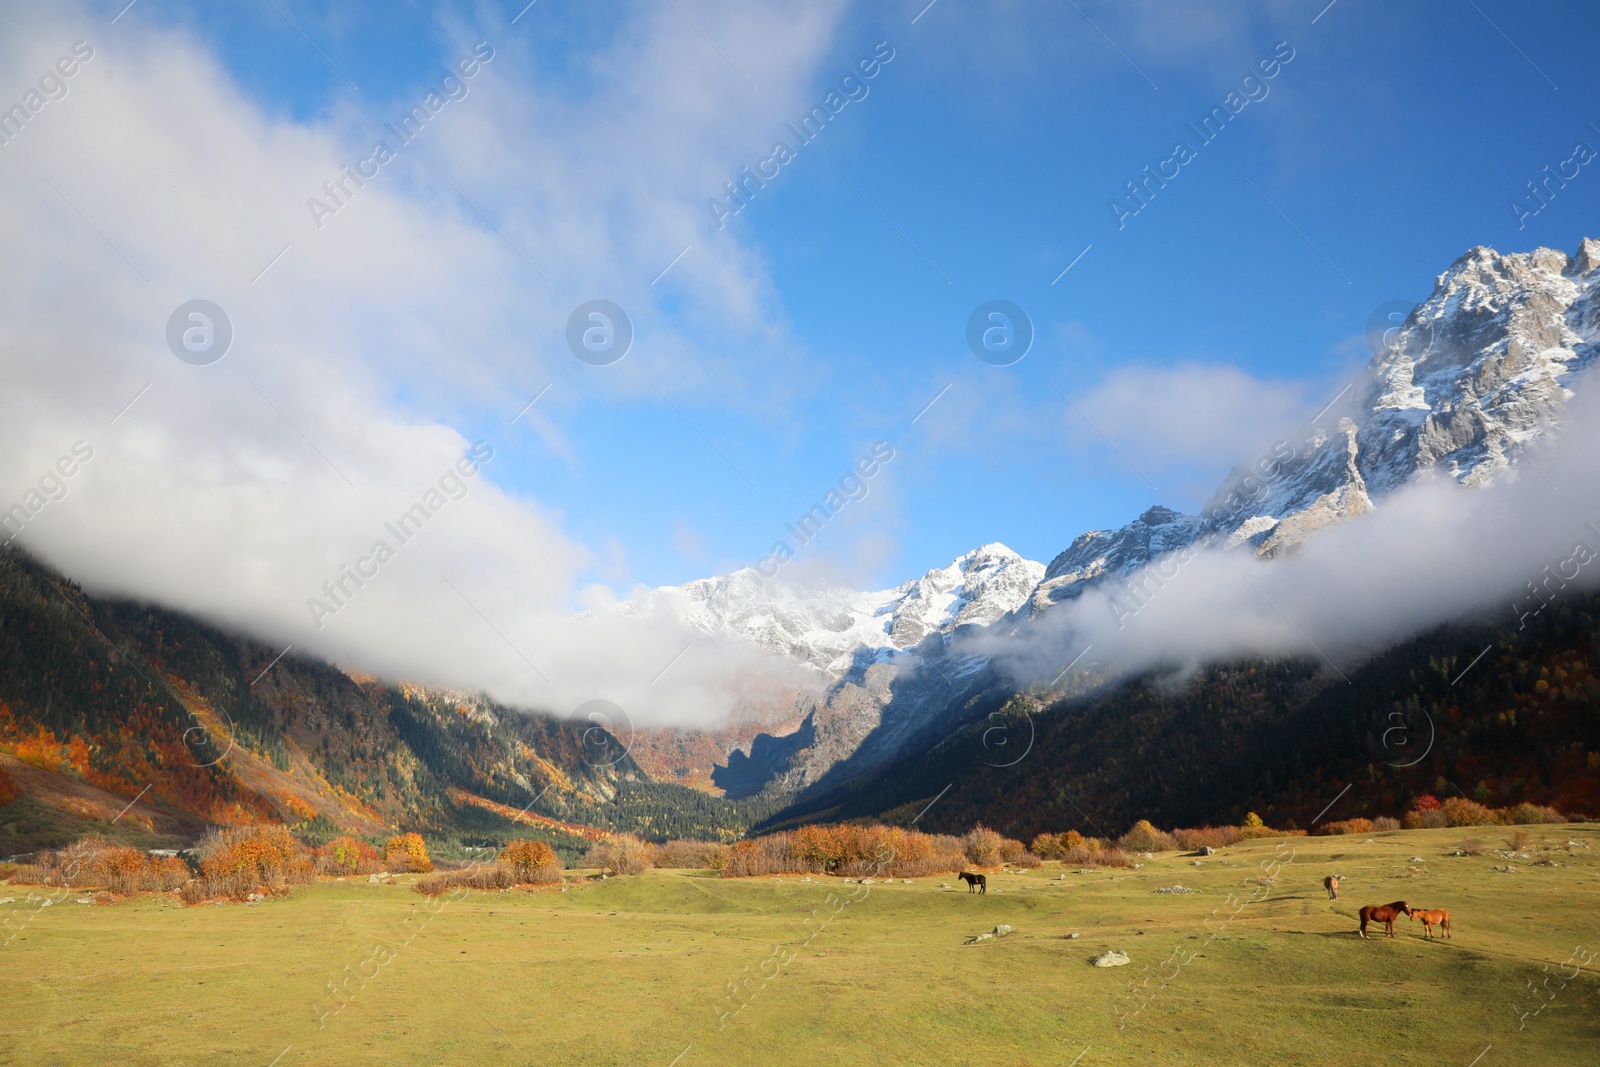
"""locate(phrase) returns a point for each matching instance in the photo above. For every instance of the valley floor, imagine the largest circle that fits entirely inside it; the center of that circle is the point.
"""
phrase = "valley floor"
(641, 970)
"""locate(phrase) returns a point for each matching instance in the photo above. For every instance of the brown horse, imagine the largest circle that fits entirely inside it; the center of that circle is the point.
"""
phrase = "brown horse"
(1331, 884)
(975, 881)
(1430, 919)
(1386, 915)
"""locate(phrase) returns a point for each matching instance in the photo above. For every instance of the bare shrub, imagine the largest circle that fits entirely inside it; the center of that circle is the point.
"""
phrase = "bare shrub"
(618, 854)
(982, 846)
(691, 855)
(1471, 846)
(1384, 822)
(1095, 853)
(1425, 819)
(485, 878)
(1519, 841)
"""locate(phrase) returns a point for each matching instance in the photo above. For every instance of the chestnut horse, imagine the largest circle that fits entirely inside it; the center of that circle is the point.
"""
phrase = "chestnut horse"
(1430, 919)
(1331, 884)
(974, 881)
(1386, 915)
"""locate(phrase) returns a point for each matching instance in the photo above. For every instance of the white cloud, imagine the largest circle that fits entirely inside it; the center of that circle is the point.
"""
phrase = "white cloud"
(1432, 552)
(362, 357)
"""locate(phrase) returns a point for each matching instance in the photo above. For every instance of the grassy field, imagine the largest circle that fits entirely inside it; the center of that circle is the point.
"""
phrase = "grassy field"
(637, 970)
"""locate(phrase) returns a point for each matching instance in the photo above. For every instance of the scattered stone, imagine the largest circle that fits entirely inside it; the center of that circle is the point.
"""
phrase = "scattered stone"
(1114, 958)
(1417, 859)
(7, 900)
(1001, 930)
(1206, 850)
(373, 878)
(1072, 937)
(807, 878)
(1061, 878)
(905, 881)
(1194, 863)
(1508, 869)
(980, 937)
(83, 900)
(1175, 889)
(944, 885)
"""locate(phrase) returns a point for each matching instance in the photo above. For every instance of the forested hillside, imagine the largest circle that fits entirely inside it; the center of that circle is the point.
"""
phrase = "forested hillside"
(1285, 738)
(107, 702)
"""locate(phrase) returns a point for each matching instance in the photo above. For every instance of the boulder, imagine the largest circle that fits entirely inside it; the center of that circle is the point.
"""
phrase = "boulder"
(1001, 930)
(1114, 958)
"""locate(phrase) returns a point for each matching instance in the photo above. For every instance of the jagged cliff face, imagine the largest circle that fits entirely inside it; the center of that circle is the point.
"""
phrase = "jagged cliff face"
(837, 629)
(1473, 377)
(1476, 374)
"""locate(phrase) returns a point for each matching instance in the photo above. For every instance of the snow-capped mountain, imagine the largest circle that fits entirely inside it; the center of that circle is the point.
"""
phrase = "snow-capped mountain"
(837, 628)
(1475, 374)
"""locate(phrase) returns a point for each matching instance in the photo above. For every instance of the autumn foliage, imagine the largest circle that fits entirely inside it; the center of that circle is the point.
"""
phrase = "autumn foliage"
(1429, 813)
(884, 851)
(96, 863)
(238, 862)
(619, 854)
(346, 856)
(1075, 850)
(522, 862)
(531, 862)
(8, 788)
(693, 855)
(406, 853)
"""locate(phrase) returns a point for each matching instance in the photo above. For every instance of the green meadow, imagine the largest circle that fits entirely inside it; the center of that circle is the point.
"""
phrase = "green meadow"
(685, 968)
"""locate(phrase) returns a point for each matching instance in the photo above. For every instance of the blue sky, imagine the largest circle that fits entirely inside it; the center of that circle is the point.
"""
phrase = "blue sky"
(988, 149)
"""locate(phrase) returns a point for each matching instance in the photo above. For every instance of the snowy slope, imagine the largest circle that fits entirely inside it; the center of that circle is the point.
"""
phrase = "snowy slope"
(1477, 373)
(837, 628)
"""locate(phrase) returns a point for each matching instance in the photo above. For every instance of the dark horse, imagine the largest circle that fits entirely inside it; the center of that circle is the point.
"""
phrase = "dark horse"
(1386, 915)
(975, 881)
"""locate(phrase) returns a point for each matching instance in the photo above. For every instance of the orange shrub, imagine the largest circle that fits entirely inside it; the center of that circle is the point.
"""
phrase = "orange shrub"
(1459, 811)
(237, 862)
(1347, 826)
(406, 853)
(1146, 838)
(531, 862)
(847, 850)
(1531, 813)
(348, 855)
(98, 863)
(1208, 837)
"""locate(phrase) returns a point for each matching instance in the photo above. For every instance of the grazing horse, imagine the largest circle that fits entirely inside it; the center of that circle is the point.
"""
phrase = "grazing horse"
(975, 881)
(1331, 884)
(1386, 915)
(1430, 919)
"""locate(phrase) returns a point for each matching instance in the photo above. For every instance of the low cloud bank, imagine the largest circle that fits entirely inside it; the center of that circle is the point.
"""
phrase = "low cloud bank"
(1432, 552)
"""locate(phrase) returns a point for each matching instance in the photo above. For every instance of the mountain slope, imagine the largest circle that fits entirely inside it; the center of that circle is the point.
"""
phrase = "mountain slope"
(104, 699)
(1278, 737)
